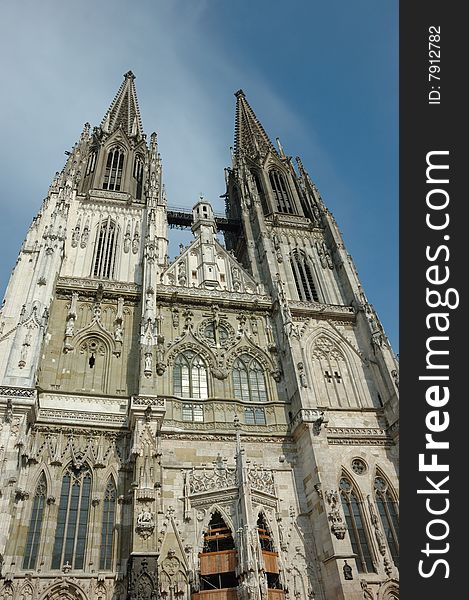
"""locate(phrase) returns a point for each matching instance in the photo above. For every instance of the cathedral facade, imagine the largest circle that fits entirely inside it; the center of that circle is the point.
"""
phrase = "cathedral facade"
(221, 426)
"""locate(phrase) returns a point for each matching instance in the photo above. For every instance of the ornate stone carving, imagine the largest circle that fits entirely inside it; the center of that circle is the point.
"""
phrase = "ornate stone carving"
(145, 524)
(338, 526)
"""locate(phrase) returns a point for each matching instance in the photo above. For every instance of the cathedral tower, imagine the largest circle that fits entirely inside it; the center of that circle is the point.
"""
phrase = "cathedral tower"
(219, 426)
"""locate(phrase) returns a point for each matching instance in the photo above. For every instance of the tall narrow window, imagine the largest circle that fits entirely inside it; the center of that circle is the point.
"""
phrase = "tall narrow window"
(249, 379)
(356, 527)
(270, 557)
(105, 250)
(90, 165)
(260, 191)
(107, 533)
(281, 192)
(190, 376)
(387, 508)
(303, 277)
(138, 175)
(72, 520)
(114, 167)
(35, 525)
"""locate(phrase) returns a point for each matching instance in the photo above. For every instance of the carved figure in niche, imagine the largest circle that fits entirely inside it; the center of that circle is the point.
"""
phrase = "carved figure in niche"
(75, 236)
(302, 374)
(118, 332)
(347, 571)
(375, 522)
(127, 242)
(148, 363)
(70, 327)
(144, 518)
(182, 277)
(85, 236)
(236, 279)
(135, 243)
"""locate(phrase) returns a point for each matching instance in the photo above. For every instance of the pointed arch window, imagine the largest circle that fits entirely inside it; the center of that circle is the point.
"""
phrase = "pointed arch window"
(138, 175)
(35, 525)
(91, 163)
(388, 511)
(249, 379)
(260, 191)
(218, 559)
(269, 555)
(281, 192)
(190, 376)
(114, 168)
(356, 526)
(105, 250)
(107, 532)
(303, 277)
(72, 519)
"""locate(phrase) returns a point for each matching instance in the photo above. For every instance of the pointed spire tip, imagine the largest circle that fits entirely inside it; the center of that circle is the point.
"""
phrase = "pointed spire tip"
(240, 94)
(129, 75)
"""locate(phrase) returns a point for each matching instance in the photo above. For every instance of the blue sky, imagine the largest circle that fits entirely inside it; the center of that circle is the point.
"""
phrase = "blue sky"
(322, 76)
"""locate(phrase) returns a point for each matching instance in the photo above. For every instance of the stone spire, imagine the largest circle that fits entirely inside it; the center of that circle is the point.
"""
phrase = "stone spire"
(124, 111)
(250, 136)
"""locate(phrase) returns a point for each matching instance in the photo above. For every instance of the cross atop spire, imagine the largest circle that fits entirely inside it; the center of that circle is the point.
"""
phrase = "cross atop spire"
(250, 136)
(124, 110)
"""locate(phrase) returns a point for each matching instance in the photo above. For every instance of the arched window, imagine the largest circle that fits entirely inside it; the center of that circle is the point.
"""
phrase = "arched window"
(356, 526)
(72, 519)
(218, 559)
(190, 376)
(35, 525)
(91, 163)
(114, 167)
(303, 278)
(105, 250)
(260, 191)
(269, 555)
(387, 508)
(138, 175)
(249, 379)
(107, 533)
(281, 192)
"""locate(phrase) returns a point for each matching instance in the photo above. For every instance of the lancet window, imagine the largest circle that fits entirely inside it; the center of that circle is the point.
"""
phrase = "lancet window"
(359, 539)
(33, 537)
(107, 532)
(281, 192)
(114, 167)
(72, 520)
(303, 277)
(138, 175)
(105, 249)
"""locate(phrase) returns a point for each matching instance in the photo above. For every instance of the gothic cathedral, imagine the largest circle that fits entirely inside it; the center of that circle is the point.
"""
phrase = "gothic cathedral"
(221, 426)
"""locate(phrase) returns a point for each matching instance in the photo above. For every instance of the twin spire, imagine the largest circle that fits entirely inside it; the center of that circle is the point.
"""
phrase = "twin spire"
(250, 136)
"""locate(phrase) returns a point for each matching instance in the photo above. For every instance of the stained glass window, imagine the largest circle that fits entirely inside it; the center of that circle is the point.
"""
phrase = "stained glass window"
(249, 379)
